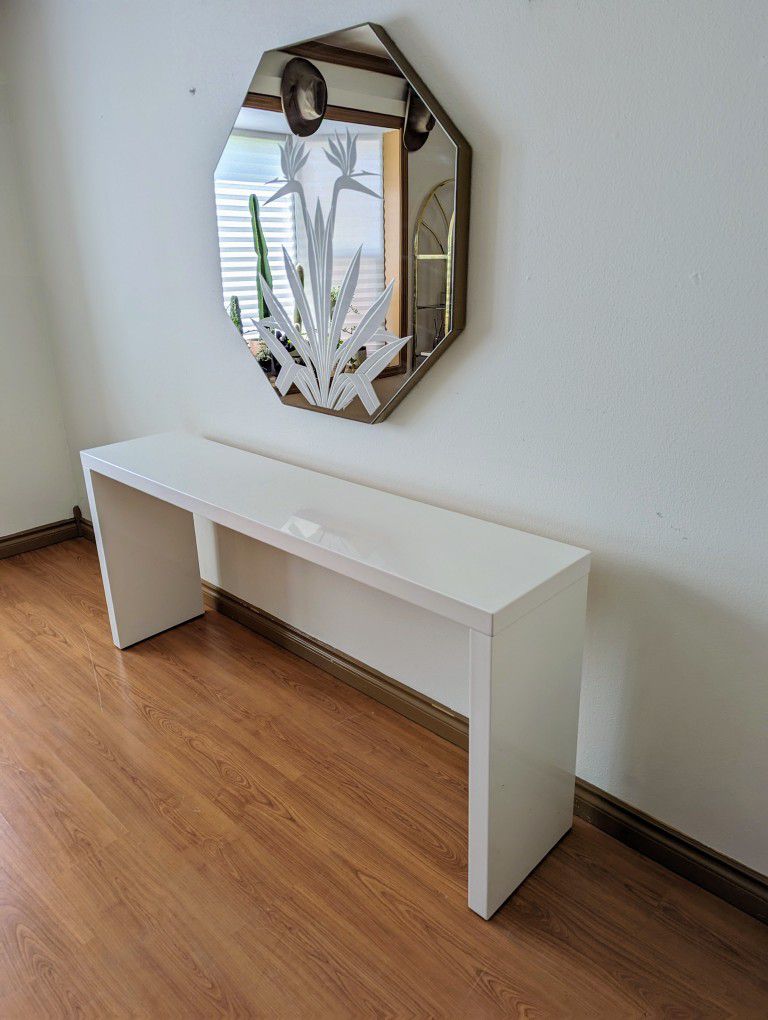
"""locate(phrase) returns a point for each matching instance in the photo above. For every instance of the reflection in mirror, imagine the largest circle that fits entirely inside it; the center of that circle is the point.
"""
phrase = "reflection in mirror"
(338, 209)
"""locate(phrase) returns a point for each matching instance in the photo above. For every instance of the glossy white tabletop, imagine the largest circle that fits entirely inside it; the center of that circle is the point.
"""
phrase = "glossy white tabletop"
(480, 574)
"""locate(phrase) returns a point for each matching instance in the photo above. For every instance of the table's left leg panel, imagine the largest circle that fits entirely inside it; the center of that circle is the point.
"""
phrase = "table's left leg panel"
(148, 559)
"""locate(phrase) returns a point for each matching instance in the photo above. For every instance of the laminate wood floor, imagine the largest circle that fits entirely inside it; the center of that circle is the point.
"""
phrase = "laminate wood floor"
(205, 825)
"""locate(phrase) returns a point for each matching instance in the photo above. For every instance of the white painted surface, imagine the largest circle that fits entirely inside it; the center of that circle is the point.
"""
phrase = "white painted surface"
(36, 482)
(523, 678)
(617, 285)
(524, 714)
(475, 573)
(148, 560)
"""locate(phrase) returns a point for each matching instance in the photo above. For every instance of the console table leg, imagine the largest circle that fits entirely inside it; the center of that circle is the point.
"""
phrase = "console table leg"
(148, 559)
(524, 712)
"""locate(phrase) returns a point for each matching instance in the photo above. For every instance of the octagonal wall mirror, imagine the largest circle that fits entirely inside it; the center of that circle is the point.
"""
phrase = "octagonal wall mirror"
(342, 203)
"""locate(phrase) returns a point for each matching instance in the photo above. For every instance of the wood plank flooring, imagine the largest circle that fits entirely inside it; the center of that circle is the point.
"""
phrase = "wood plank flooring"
(205, 826)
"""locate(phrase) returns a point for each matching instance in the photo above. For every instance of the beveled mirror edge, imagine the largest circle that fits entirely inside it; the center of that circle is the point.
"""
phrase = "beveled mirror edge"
(461, 222)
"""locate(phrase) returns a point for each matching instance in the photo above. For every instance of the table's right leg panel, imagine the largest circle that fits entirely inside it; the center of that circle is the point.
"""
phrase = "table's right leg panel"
(524, 713)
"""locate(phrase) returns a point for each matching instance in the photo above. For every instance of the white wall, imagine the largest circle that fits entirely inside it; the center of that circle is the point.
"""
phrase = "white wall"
(36, 483)
(618, 295)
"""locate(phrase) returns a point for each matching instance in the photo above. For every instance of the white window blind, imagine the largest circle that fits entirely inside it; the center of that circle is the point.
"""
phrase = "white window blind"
(248, 162)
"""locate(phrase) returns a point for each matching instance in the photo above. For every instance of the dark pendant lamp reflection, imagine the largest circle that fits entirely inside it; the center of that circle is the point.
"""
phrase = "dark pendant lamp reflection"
(304, 96)
(418, 122)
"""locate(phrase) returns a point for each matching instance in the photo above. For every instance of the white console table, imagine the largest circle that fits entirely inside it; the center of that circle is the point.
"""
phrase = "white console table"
(521, 598)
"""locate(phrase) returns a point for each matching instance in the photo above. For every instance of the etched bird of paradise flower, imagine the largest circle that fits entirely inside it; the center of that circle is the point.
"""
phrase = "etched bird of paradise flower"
(320, 344)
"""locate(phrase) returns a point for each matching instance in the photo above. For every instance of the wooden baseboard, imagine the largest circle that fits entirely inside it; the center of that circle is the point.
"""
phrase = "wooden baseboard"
(37, 538)
(75, 526)
(726, 878)
(731, 881)
(84, 526)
